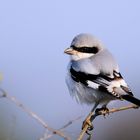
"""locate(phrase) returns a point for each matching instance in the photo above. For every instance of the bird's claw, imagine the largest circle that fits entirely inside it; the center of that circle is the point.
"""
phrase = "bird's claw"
(103, 110)
(90, 125)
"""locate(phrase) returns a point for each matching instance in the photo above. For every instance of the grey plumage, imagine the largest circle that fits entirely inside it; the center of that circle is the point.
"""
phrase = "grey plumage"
(93, 74)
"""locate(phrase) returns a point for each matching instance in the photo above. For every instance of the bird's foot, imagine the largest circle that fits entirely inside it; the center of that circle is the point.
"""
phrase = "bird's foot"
(103, 110)
(88, 123)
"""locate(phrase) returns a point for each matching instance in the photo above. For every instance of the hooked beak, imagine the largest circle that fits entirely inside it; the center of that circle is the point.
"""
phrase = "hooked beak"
(70, 51)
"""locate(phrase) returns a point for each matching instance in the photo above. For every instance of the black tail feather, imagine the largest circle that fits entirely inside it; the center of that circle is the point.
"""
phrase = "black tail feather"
(131, 99)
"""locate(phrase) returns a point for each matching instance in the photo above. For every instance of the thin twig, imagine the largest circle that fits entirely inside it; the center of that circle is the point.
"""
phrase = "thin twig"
(69, 123)
(83, 132)
(32, 114)
(47, 136)
(59, 131)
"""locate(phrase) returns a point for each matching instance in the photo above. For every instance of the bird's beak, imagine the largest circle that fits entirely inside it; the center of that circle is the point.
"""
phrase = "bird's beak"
(70, 51)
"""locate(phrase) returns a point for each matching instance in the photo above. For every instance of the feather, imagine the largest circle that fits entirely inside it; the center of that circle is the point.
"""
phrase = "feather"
(131, 99)
(115, 85)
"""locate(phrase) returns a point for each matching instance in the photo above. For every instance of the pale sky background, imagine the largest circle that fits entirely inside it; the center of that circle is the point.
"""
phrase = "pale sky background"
(33, 36)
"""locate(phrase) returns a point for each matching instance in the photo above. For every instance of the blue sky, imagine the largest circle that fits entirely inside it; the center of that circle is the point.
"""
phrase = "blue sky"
(33, 36)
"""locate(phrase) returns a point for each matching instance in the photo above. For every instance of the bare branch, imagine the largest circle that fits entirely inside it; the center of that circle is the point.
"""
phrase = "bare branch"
(83, 132)
(47, 136)
(32, 114)
(59, 131)
(70, 122)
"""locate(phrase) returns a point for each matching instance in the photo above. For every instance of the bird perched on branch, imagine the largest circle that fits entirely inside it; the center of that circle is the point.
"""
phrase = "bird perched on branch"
(93, 74)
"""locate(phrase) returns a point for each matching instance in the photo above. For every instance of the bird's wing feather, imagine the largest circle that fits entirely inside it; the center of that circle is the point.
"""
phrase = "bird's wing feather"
(114, 85)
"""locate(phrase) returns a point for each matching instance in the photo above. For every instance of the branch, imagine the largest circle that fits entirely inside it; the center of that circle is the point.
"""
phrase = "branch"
(70, 122)
(47, 136)
(32, 114)
(59, 131)
(85, 129)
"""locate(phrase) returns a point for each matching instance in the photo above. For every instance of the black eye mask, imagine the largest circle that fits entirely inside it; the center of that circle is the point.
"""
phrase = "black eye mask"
(85, 49)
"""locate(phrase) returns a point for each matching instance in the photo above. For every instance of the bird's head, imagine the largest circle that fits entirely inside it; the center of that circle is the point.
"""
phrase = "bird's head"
(84, 46)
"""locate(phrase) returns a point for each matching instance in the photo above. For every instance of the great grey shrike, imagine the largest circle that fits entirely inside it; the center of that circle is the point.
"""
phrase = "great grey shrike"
(93, 74)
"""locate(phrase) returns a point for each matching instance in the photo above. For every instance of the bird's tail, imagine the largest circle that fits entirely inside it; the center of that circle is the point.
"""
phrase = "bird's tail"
(131, 99)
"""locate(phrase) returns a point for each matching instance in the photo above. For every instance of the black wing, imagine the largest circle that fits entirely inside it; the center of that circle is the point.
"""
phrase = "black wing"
(100, 81)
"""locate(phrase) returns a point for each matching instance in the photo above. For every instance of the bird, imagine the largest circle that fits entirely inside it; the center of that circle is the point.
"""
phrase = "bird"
(93, 76)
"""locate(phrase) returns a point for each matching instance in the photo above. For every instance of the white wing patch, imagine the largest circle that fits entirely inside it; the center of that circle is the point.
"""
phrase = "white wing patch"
(92, 85)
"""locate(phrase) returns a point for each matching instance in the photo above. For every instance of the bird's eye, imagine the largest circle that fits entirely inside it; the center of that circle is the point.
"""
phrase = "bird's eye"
(83, 49)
